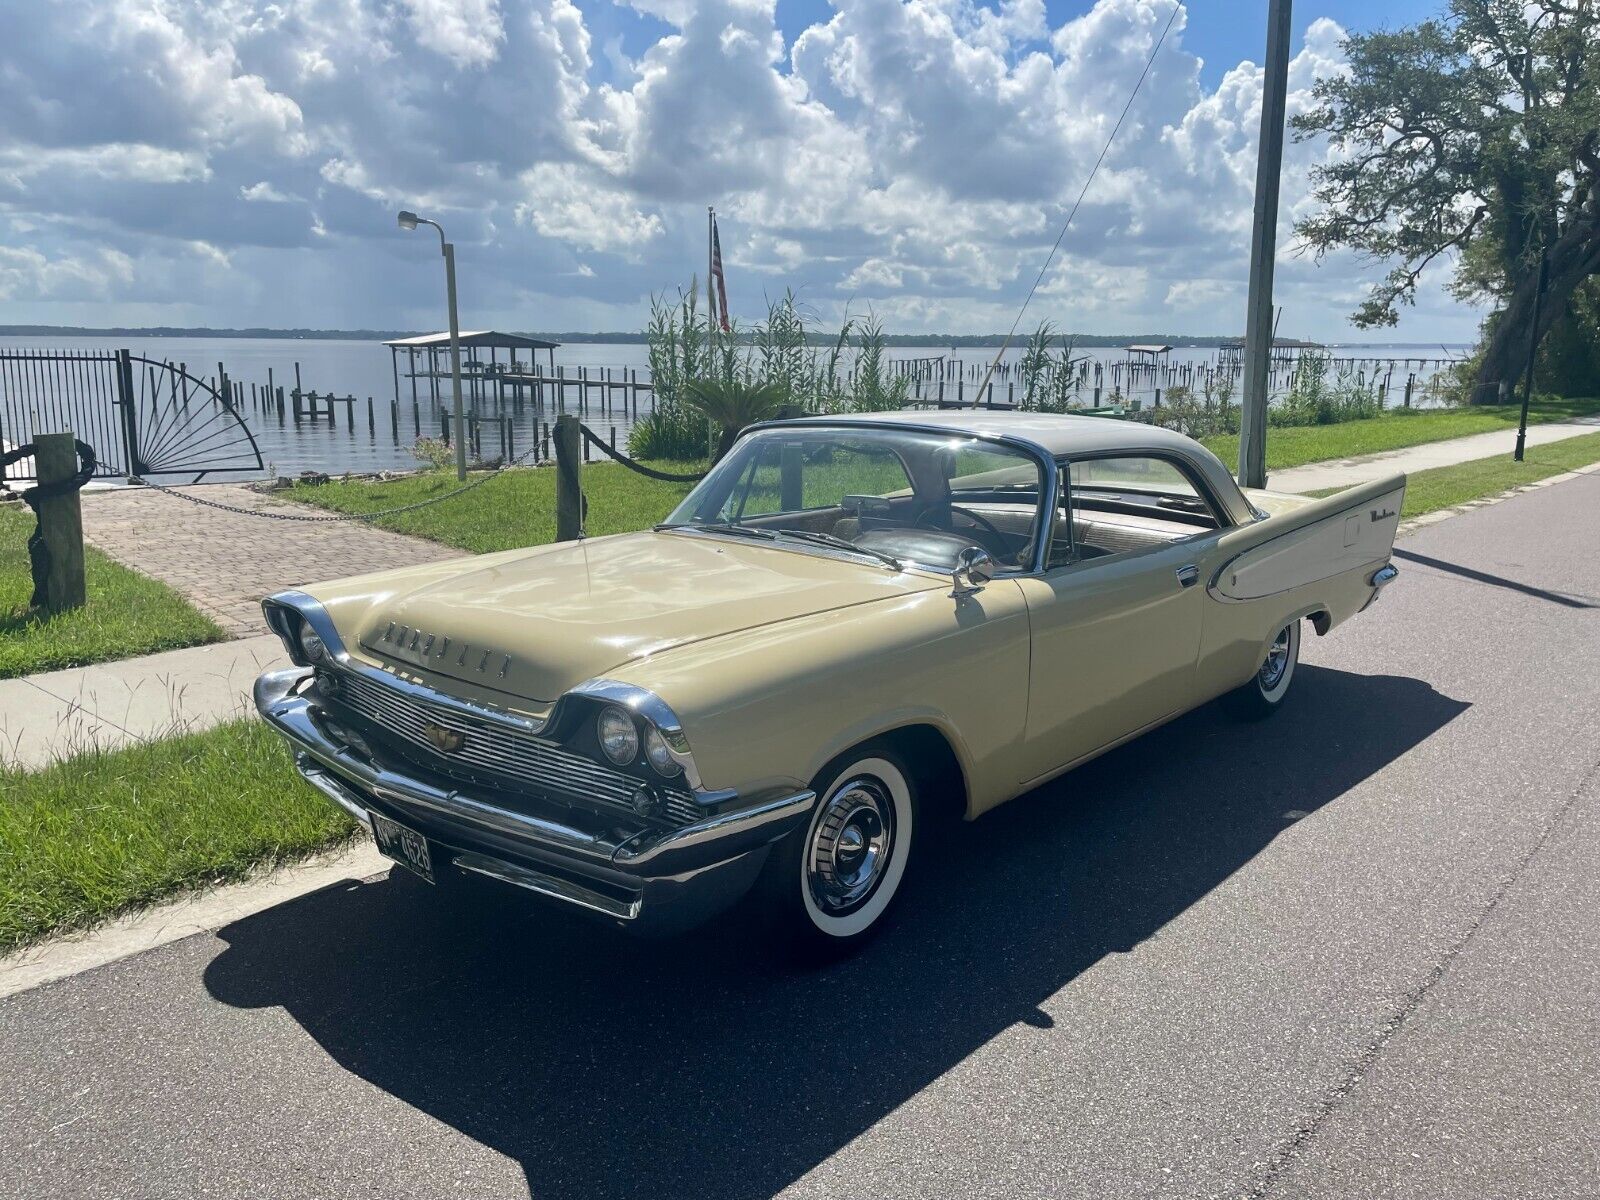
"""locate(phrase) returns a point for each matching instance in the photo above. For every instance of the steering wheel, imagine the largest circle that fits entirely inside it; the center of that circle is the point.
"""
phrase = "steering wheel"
(976, 518)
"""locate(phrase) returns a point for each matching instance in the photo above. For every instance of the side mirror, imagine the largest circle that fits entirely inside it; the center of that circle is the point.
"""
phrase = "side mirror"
(974, 568)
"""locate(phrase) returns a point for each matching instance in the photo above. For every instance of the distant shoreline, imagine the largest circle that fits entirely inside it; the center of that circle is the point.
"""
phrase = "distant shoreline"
(928, 340)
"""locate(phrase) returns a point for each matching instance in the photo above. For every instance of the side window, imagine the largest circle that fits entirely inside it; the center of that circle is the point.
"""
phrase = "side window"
(1125, 504)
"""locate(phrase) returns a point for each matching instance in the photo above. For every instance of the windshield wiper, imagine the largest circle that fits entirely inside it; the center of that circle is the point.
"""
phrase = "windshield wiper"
(765, 535)
(839, 543)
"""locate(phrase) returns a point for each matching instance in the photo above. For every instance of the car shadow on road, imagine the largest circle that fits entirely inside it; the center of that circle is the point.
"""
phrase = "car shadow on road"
(609, 1065)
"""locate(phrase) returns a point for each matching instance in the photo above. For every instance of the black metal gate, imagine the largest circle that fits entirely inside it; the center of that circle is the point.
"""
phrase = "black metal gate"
(143, 416)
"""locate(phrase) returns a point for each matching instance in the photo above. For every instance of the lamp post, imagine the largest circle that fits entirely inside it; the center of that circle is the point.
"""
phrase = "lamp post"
(410, 220)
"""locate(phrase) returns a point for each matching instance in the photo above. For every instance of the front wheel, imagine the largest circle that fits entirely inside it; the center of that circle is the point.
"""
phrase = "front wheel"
(828, 885)
(1265, 692)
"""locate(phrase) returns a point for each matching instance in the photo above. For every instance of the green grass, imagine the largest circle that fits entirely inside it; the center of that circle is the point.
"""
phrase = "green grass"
(126, 613)
(518, 507)
(103, 832)
(1443, 487)
(515, 509)
(1395, 430)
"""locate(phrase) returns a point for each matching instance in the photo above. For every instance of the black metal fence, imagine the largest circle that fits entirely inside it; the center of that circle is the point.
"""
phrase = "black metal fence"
(142, 416)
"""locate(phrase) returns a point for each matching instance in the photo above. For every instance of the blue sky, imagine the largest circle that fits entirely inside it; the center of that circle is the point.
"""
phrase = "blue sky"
(187, 163)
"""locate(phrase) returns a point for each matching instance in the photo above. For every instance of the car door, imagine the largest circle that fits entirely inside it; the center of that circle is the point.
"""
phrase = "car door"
(1115, 625)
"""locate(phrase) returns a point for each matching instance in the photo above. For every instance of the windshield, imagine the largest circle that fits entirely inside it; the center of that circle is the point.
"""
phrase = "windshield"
(904, 495)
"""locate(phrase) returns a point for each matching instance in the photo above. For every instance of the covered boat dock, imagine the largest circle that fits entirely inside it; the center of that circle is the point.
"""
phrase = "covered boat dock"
(477, 372)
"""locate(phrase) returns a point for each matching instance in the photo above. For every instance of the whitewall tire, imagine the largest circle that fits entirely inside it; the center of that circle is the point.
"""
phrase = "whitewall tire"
(829, 884)
(1265, 692)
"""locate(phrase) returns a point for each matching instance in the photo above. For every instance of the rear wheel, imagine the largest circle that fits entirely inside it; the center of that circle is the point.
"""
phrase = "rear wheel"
(828, 885)
(1265, 692)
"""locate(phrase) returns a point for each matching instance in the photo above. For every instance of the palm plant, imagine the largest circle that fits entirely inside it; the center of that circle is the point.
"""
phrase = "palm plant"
(732, 404)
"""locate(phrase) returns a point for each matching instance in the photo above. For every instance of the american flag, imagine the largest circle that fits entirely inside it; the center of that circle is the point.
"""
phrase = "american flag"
(721, 300)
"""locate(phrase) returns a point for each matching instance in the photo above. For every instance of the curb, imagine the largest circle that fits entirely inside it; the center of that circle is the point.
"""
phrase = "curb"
(1456, 510)
(198, 912)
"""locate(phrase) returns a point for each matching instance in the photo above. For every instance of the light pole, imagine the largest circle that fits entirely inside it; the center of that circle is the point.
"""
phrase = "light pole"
(410, 220)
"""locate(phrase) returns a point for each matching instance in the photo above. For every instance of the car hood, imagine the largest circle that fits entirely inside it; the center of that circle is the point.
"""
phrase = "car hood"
(535, 624)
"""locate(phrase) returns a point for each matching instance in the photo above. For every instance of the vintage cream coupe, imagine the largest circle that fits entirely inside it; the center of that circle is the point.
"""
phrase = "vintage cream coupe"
(847, 620)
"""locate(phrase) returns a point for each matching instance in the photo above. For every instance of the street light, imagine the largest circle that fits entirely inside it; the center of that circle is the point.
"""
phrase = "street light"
(410, 220)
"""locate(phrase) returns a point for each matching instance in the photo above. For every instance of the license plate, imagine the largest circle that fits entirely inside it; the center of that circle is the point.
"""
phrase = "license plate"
(405, 845)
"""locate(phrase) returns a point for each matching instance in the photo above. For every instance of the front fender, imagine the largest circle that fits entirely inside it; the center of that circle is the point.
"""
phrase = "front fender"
(770, 706)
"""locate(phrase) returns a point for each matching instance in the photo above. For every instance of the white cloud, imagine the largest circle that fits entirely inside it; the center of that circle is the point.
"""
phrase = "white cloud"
(263, 193)
(467, 32)
(917, 155)
(28, 273)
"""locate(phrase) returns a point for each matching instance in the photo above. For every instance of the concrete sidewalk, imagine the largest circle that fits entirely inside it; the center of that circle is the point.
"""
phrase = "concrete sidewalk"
(1347, 472)
(59, 713)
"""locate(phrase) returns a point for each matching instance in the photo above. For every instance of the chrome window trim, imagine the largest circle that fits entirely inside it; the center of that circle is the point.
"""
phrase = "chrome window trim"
(1226, 518)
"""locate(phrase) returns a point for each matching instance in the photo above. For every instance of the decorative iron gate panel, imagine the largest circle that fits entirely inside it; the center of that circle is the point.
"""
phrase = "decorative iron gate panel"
(143, 416)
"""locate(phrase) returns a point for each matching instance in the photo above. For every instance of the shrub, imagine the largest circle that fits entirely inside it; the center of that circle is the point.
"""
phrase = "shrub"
(436, 452)
(1316, 399)
(1210, 414)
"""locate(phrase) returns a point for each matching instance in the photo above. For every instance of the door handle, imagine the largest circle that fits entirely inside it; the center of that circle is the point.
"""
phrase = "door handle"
(1188, 574)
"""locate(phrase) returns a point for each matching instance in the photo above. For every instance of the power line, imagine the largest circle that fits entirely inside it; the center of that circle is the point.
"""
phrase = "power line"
(1067, 224)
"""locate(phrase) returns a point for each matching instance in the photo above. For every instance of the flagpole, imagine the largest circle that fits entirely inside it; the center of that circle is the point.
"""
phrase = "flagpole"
(711, 295)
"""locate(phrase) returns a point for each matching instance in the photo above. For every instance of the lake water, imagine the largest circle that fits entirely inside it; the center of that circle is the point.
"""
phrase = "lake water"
(363, 369)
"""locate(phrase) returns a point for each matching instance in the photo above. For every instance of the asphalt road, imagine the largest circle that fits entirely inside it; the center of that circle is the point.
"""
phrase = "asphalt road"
(1353, 952)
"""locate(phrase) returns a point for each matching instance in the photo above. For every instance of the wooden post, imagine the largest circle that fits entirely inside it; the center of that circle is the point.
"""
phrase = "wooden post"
(61, 523)
(569, 479)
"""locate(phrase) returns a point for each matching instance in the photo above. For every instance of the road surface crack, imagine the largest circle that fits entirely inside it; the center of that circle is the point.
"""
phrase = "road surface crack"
(1411, 1001)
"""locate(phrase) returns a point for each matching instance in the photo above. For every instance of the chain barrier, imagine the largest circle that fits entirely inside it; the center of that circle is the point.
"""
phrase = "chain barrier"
(38, 551)
(331, 518)
(636, 466)
(322, 519)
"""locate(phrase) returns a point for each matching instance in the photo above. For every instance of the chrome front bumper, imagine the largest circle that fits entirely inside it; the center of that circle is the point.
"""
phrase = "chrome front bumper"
(664, 878)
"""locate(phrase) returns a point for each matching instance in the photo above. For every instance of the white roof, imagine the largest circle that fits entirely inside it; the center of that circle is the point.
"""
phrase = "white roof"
(1061, 435)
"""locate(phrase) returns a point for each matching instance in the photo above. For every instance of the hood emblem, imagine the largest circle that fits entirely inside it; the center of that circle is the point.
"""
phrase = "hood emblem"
(427, 645)
(445, 741)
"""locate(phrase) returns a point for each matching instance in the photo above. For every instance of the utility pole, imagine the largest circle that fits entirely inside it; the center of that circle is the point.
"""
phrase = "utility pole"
(1263, 247)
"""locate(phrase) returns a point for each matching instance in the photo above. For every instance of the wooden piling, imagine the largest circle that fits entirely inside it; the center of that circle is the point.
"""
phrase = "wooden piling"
(55, 457)
(569, 479)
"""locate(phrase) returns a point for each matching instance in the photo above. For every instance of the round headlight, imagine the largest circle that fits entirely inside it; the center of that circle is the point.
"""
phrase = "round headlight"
(619, 737)
(655, 749)
(310, 644)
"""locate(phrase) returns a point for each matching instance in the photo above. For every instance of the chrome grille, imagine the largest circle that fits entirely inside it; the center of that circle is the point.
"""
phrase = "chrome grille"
(503, 751)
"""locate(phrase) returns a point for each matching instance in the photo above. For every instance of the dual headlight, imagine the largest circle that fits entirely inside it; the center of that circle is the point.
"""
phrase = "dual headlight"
(311, 644)
(618, 732)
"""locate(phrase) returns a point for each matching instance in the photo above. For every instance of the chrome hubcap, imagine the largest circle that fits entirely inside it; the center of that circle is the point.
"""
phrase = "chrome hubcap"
(1277, 661)
(850, 846)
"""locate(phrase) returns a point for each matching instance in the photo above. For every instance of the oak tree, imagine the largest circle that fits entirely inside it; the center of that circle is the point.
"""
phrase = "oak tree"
(1474, 137)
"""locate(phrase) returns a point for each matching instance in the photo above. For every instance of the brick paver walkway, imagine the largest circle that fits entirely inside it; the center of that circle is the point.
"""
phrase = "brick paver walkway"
(225, 562)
